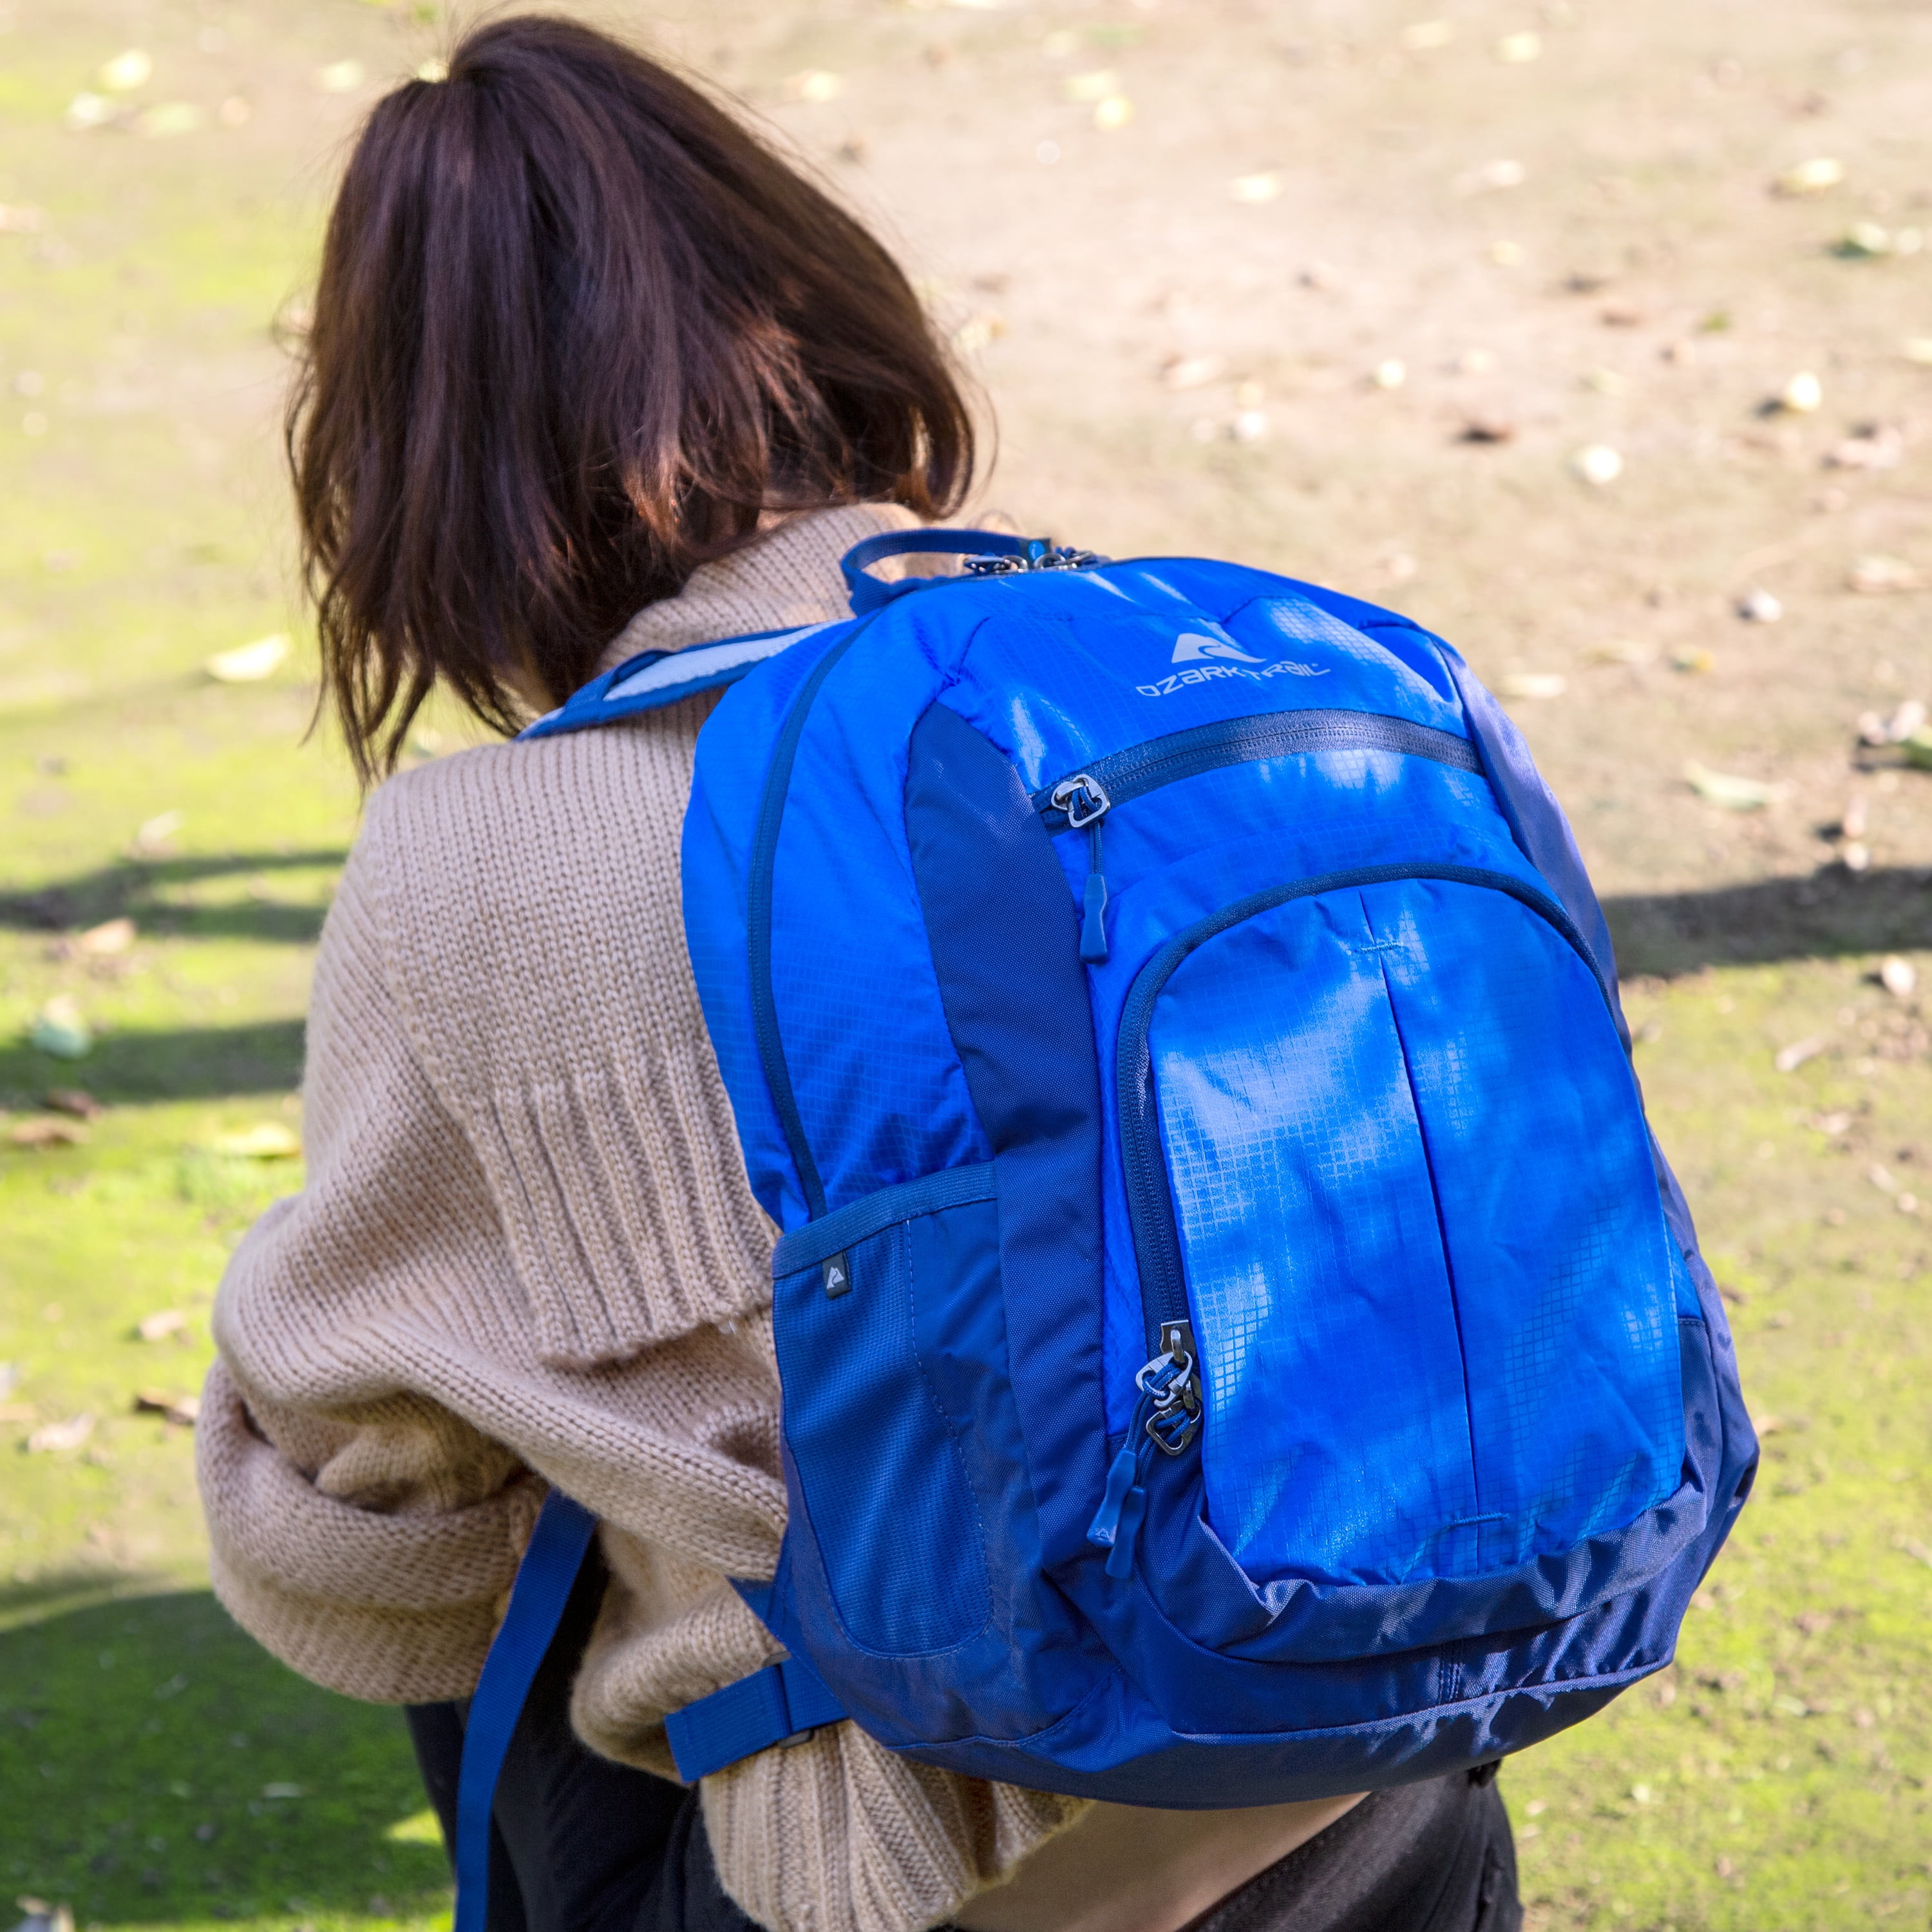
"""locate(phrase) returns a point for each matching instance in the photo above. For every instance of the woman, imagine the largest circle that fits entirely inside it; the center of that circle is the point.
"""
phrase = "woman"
(593, 373)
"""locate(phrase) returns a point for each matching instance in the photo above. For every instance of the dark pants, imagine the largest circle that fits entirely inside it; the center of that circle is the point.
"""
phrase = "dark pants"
(579, 1844)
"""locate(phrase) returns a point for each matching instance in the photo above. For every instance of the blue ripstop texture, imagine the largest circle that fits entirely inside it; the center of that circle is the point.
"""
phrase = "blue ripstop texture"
(1452, 1366)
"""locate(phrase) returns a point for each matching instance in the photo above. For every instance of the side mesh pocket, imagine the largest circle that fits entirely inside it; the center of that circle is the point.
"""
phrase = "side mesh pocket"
(885, 1483)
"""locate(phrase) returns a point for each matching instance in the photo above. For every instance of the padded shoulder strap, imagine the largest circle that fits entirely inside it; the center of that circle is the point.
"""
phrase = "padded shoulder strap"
(652, 679)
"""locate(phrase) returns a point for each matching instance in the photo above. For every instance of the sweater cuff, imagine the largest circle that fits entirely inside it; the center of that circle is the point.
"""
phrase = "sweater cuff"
(389, 1608)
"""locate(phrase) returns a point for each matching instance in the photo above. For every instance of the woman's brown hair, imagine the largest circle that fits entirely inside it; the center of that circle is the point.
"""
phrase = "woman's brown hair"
(576, 330)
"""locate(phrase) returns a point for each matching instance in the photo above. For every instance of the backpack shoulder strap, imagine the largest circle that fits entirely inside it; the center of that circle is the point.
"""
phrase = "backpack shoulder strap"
(653, 679)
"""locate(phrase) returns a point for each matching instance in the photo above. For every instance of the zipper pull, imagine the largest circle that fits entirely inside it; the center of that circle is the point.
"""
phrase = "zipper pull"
(1084, 800)
(1121, 1557)
(1105, 1528)
(1093, 923)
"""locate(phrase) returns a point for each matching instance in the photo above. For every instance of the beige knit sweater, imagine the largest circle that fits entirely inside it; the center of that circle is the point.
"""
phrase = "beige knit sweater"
(527, 1253)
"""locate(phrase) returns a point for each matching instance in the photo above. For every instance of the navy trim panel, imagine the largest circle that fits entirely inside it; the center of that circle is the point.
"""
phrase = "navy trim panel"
(654, 679)
(544, 1580)
(783, 1701)
(1150, 1195)
(1236, 741)
(819, 1241)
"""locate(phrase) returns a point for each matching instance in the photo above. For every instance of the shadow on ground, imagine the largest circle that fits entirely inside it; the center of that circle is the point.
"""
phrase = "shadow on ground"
(176, 1063)
(158, 1766)
(140, 889)
(1828, 915)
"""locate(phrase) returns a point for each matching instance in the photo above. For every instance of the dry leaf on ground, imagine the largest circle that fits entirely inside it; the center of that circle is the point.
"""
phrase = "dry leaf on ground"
(47, 1130)
(267, 1140)
(59, 1029)
(1732, 794)
(53, 1437)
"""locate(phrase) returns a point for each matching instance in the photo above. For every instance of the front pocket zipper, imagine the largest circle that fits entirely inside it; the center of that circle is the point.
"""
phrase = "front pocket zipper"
(1082, 799)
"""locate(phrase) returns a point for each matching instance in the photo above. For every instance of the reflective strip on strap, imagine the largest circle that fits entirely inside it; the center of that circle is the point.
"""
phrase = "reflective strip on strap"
(783, 1701)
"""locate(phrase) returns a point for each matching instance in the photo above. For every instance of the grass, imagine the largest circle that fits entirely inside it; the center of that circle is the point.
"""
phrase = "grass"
(1778, 1778)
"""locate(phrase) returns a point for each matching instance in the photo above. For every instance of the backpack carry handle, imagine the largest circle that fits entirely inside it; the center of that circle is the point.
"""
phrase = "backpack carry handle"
(870, 593)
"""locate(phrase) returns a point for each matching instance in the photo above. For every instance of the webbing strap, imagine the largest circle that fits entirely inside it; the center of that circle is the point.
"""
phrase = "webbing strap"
(537, 1599)
(783, 1701)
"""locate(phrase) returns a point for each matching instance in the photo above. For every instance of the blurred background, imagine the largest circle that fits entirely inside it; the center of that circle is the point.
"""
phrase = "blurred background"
(1597, 337)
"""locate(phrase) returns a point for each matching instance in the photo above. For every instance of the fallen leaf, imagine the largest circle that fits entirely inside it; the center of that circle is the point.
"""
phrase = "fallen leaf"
(1492, 175)
(1802, 395)
(53, 1437)
(90, 110)
(60, 1030)
(110, 936)
(1899, 977)
(183, 1409)
(151, 835)
(1095, 85)
(1811, 177)
(1254, 189)
(249, 664)
(977, 331)
(1597, 464)
(1624, 651)
(1876, 446)
(170, 118)
(342, 76)
(1875, 575)
(1759, 607)
(1535, 684)
(1191, 372)
(1733, 794)
(158, 1326)
(125, 72)
(267, 1140)
(1865, 240)
(47, 1130)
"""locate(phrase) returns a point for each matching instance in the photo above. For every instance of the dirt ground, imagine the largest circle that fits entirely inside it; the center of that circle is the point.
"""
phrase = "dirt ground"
(1359, 290)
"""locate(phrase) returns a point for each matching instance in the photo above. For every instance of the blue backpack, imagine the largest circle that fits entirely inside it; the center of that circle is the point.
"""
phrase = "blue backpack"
(1240, 1340)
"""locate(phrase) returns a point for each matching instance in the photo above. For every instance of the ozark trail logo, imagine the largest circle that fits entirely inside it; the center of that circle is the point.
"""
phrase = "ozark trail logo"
(1187, 647)
(1207, 658)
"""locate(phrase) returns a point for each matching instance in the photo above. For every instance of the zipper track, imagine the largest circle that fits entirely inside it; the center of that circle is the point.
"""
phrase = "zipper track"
(1149, 1191)
(1239, 741)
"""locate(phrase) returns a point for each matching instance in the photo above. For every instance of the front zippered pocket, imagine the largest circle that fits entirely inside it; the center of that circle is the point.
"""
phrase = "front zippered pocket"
(1081, 801)
(1389, 1183)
